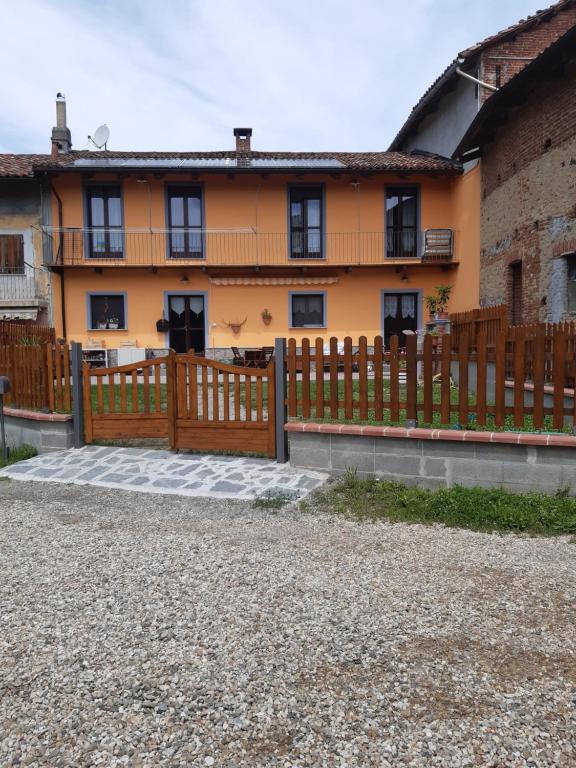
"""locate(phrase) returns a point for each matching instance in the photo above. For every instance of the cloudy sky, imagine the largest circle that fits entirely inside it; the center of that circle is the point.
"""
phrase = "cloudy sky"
(180, 74)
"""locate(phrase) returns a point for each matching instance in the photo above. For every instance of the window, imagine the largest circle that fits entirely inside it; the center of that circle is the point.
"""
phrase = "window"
(185, 222)
(106, 312)
(306, 223)
(11, 254)
(401, 222)
(307, 310)
(498, 75)
(105, 222)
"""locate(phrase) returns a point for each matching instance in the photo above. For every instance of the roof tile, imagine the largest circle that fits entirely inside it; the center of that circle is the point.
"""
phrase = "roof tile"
(383, 162)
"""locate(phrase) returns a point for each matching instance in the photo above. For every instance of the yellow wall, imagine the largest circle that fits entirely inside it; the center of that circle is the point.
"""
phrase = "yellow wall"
(353, 302)
(466, 218)
(353, 305)
(252, 201)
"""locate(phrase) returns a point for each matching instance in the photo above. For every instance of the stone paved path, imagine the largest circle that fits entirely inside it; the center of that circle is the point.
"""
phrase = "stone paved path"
(154, 471)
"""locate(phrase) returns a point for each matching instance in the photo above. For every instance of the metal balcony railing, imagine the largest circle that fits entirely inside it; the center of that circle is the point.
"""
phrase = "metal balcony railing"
(165, 248)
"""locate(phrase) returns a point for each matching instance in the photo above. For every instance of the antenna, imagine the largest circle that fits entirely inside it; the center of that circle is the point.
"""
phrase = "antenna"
(101, 136)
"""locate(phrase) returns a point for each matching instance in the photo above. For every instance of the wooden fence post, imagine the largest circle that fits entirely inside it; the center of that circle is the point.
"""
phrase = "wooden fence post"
(77, 394)
(411, 381)
(171, 397)
(280, 404)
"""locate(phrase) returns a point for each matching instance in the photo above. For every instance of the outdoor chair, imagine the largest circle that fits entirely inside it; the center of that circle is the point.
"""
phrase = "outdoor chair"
(267, 355)
(258, 358)
(239, 358)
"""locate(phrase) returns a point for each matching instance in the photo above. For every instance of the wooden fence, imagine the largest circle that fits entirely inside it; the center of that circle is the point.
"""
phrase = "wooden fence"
(517, 381)
(39, 374)
(23, 333)
(492, 320)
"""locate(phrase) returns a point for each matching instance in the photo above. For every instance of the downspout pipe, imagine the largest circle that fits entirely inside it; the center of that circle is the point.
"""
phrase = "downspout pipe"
(474, 79)
(62, 295)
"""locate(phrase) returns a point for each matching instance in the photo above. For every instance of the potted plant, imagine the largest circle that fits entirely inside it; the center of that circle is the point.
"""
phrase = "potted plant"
(101, 325)
(113, 323)
(266, 317)
(432, 304)
(435, 334)
(163, 325)
(443, 293)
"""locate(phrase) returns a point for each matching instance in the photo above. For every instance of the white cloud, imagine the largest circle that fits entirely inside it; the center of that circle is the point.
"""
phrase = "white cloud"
(180, 74)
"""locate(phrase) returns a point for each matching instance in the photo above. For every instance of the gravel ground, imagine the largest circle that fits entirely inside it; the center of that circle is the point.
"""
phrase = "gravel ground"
(142, 630)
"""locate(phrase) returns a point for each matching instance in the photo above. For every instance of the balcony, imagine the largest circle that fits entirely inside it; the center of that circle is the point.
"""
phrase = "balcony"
(21, 296)
(244, 248)
(18, 288)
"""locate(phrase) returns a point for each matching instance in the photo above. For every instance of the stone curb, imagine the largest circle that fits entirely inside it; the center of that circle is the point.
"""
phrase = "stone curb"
(417, 433)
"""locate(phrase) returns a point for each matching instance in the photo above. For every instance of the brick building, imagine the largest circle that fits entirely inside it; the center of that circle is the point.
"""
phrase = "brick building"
(445, 111)
(525, 135)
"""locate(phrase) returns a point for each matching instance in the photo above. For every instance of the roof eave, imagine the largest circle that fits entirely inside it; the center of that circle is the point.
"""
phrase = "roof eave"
(124, 170)
(476, 135)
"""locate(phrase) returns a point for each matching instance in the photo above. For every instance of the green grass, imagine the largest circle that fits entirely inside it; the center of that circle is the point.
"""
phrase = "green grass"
(129, 403)
(436, 423)
(477, 509)
(18, 454)
(273, 500)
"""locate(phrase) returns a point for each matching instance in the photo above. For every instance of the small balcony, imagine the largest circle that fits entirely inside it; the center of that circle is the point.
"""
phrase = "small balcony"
(17, 288)
(245, 248)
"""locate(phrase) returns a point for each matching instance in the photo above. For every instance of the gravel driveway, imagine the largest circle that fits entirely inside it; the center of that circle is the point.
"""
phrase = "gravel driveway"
(145, 630)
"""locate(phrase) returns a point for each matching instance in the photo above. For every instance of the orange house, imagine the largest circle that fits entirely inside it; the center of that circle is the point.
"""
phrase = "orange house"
(210, 250)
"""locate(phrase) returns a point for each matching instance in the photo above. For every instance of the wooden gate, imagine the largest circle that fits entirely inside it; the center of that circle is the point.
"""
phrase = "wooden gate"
(127, 401)
(220, 407)
(197, 404)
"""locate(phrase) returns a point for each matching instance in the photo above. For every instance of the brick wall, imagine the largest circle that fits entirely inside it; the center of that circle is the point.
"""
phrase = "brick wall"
(513, 54)
(529, 198)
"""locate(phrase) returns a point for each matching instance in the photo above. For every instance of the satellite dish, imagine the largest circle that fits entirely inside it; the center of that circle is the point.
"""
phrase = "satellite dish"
(101, 136)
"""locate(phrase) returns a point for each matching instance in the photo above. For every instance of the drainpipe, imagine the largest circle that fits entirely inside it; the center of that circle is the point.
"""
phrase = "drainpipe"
(60, 220)
(474, 79)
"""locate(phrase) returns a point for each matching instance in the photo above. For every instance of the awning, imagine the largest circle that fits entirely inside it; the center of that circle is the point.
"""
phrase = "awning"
(18, 314)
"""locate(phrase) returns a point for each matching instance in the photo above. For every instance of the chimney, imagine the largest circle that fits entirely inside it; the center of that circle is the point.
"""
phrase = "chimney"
(243, 139)
(61, 136)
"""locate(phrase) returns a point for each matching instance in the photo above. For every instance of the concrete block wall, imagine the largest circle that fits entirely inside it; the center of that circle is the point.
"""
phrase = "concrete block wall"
(44, 431)
(438, 458)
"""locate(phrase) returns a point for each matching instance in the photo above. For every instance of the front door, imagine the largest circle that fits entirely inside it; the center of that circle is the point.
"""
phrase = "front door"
(400, 314)
(187, 323)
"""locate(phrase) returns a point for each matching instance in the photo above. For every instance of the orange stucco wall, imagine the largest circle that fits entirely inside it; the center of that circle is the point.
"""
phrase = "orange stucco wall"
(260, 203)
(353, 305)
(466, 218)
